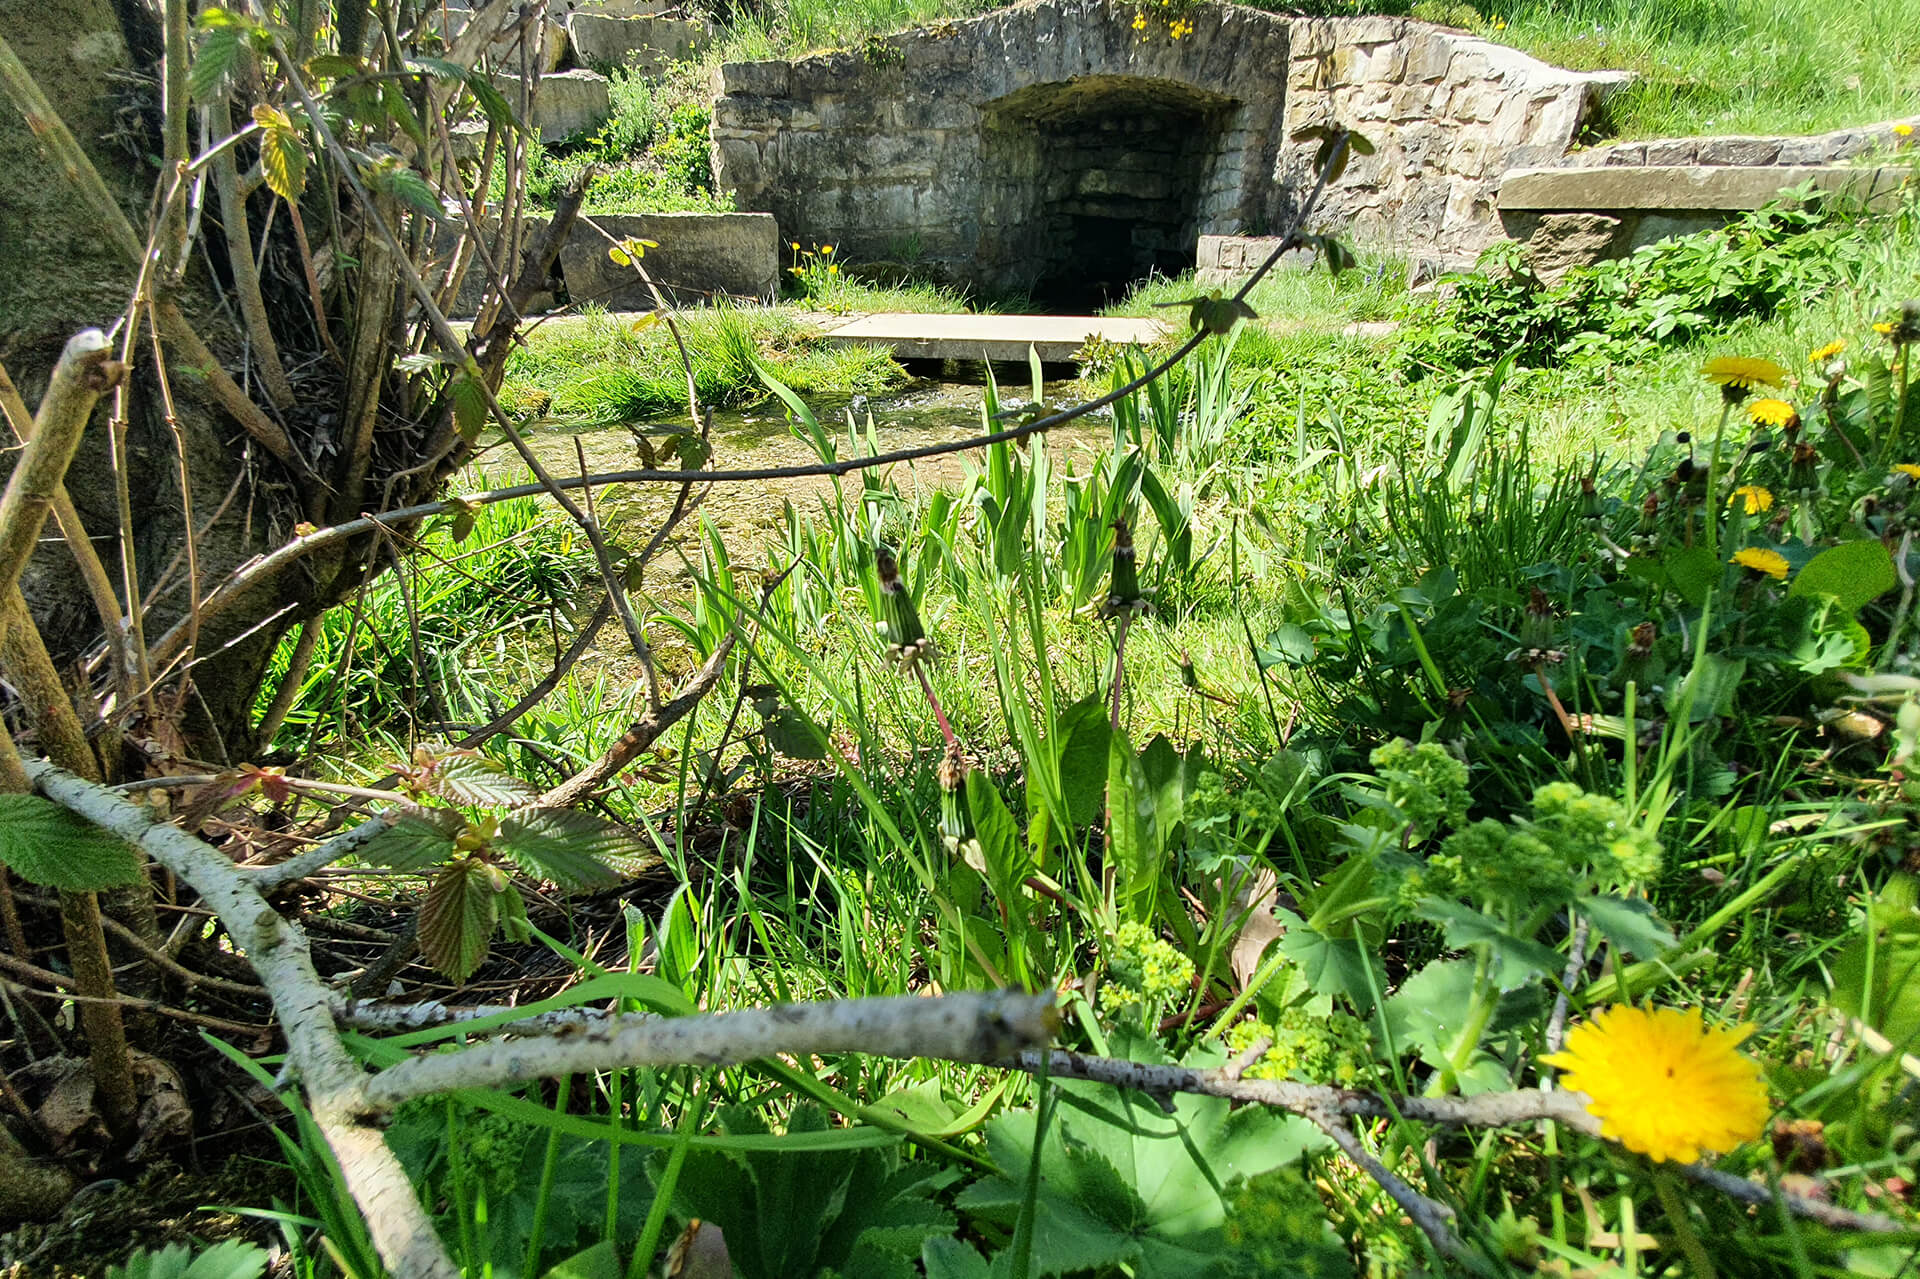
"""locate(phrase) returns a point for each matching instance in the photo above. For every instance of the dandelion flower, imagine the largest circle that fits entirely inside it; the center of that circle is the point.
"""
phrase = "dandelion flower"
(833, 268)
(1772, 412)
(1663, 1083)
(1908, 469)
(1759, 500)
(1827, 352)
(795, 246)
(1903, 130)
(1759, 560)
(1743, 372)
(1884, 328)
(826, 250)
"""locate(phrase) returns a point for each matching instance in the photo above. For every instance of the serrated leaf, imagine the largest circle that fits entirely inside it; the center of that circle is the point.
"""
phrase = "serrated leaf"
(475, 780)
(1627, 922)
(493, 103)
(46, 844)
(283, 159)
(414, 841)
(457, 917)
(230, 1259)
(391, 178)
(334, 66)
(438, 68)
(618, 256)
(213, 62)
(565, 845)
(400, 111)
(469, 405)
(270, 117)
(1517, 961)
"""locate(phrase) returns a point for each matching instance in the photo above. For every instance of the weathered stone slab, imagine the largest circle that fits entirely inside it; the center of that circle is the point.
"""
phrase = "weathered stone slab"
(566, 103)
(646, 44)
(1653, 188)
(1054, 338)
(699, 255)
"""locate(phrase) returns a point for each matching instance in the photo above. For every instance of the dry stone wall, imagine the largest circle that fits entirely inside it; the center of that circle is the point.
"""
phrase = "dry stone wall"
(1050, 142)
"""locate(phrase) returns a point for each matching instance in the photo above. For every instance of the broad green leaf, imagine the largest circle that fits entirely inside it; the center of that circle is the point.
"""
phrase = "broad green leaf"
(283, 159)
(1627, 922)
(414, 841)
(389, 177)
(1517, 961)
(792, 734)
(457, 916)
(230, 1259)
(1709, 688)
(1854, 573)
(46, 844)
(1876, 975)
(1124, 1182)
(1286, 645)
(1084, 734)
(213, 61)
(924, 1108)
(1692, 571)
(476, 780)
(469, 406)
(1005, 853)
(597, 1262)
(1427, 1012)
(952, 1259)
(493, 104)
(1331, 965)
(1132, 844)
(565, 845)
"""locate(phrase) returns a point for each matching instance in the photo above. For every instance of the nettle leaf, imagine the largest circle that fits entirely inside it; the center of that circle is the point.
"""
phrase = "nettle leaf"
(391, 178)
(493, 103)
(46, 844)
(213, 62)
(474, 779)
(283, 157)
(458, 915)
(564, 845)
(415, 841)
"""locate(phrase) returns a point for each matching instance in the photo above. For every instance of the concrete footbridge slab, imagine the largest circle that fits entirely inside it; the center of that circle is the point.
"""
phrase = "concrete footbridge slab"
(992, 337)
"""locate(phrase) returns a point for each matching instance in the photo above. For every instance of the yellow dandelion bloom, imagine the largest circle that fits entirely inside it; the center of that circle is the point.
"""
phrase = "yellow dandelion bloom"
(1884, 328)
(1760, 560)
(1759, 500)
(1139, 22)
(1903, 130)
(1907, 469)
(1772, 412)
(1743, 371)
(795, 246)
(1663, 1083)
(833, 268)
(1827, 352)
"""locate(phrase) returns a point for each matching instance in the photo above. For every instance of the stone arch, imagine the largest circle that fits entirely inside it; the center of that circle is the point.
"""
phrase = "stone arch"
(993, 149)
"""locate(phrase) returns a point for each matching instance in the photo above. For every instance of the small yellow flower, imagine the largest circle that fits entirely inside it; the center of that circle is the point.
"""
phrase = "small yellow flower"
(1139, 22)
(1743, 372)
(1772, 412)
(1761, 561)
(795, 246)
(1827, 352)
(1759, 500)
(833, 268)
(826, 250)
(1663, 1083)
(1884, 328)
(1903, 130)
(1908, 469)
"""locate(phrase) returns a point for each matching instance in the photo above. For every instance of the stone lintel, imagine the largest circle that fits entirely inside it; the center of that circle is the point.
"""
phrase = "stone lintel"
(1682, 186)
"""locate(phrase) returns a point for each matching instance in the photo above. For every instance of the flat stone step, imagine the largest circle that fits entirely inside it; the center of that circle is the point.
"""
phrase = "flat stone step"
(992, 337)
(646, 44)
(1685, 186)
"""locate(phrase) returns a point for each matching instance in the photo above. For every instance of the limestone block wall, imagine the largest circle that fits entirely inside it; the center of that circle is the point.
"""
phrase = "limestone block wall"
(1002, 147)
(1448, 114)
(965, 145)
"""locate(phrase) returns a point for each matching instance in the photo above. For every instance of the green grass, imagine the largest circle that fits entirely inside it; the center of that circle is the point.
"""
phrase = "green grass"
(595, 369)
(1731, 66)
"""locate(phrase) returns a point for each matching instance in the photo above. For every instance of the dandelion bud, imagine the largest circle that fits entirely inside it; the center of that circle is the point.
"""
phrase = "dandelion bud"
(1536, 626)
(1589, 499)
(1803, 471)
(956, 818)
(907, 643)
(1123, 594)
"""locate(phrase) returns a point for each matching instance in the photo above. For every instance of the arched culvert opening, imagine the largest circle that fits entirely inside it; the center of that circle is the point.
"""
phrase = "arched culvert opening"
(1094, 183)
